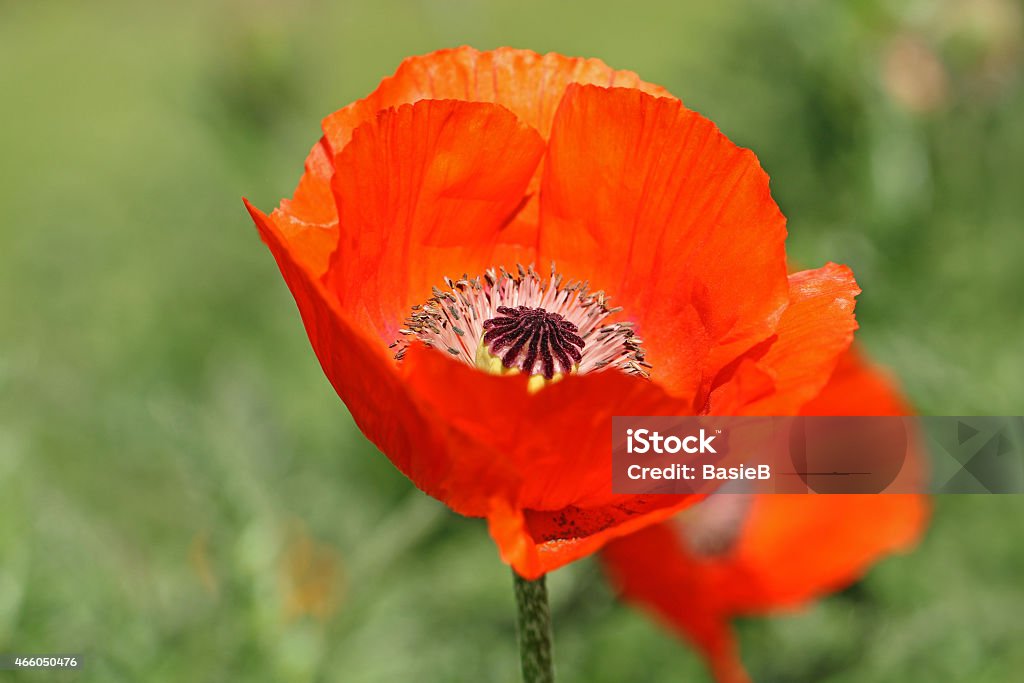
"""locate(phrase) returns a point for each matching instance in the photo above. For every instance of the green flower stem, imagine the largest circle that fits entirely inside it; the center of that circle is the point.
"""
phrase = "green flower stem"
(534, 630)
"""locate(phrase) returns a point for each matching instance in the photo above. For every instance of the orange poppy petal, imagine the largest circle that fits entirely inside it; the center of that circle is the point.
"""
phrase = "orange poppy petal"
(360, 372)
(529, 84)
(789, 549)
(832, 539)
(532, 556)
(423, 191)
(654, 205)
(556, 440)
(857, 388)
(814, 331)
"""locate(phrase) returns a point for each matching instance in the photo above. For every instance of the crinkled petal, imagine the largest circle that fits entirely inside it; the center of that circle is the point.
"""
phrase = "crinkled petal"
(814, 331)
(676, 223)
(529, 84)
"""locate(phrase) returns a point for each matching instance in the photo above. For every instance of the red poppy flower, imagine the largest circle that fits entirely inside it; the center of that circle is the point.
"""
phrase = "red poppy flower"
(463, 165)
(740, 555)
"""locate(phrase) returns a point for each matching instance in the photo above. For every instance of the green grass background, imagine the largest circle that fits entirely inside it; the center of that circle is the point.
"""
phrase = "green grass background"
(183, 497)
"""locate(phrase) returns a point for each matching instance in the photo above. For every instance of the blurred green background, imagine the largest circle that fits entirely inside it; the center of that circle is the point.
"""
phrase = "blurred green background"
(183, 497)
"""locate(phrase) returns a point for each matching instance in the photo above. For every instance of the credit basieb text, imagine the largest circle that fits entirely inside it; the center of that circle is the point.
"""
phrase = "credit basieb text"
(645, 441)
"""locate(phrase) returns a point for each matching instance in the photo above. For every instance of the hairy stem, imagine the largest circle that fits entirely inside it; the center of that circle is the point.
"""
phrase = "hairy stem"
(534, 630)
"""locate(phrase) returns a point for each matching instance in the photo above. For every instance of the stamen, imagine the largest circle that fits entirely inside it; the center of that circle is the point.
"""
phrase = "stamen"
(544, 327)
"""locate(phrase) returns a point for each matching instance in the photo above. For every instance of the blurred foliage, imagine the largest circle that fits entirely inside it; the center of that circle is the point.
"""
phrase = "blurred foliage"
(183, 497)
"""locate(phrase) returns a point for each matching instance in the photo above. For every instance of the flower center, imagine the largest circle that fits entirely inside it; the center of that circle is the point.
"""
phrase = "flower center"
(503, 322)
(533, 340)
(713, 527)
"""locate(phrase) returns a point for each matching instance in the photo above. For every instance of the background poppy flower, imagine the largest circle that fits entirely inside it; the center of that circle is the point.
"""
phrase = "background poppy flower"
(738, 555)
(467, 162)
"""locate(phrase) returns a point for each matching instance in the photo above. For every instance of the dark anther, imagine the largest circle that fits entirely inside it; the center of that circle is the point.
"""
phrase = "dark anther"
(528, 335)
